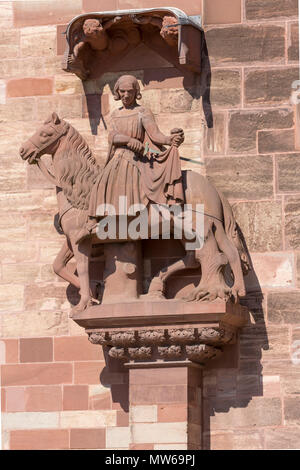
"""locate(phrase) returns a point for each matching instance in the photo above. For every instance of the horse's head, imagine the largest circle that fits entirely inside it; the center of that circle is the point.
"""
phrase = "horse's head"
(45, 140)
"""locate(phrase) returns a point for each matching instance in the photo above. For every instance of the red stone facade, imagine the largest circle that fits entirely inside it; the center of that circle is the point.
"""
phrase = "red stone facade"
(56, 391)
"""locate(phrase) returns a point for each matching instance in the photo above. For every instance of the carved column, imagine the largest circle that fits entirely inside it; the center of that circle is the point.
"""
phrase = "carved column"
(165, 349)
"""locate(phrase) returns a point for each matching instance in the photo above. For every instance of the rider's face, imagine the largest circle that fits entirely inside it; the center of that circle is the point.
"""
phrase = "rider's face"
(127, 94)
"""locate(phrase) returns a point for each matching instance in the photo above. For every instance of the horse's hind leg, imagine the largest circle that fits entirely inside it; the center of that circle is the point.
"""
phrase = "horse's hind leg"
(60, 268)
(233, 256)
(212, 284)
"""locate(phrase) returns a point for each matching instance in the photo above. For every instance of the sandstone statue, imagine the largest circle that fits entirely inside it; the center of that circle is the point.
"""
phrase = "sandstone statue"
(152, 177)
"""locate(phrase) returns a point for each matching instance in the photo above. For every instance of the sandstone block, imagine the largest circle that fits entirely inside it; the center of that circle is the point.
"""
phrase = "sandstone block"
(9, 351)
(28, 201)
(225, 88)
(36, 350)
(61, 40)
(220, 12)
(87, 372)
(43, 398)
(173, 413)
(42, 226)
(265, 9)
(214, 143)
(67, 106)
(271, 386)
(292, 220)
(271, 270)
(244, 43)
(42, 439)
(276, 141)
(33, 323)
(159, 433)
(241, 178)
(75, 397)
(260, 223)
(236, 440)
(256, 412)
(44, 296)
(175, 101)
(9, 51)
(38, 41)
(243, 126)
(36, 374)
(10, 230)
(15, 399)
(288, 167)
(143, 414)
(282, 438)
(87, 419)
(118, 437)
(76, 348)
(19, 109)
(292, 410)
(255, 344)
(283, 307)
(274, 86)
(30, 420)
(293, 42)
(87, 438)
(28, 13)
(29, 87)
(13, 176)
(11, 297)
(6, 15)
(67, 84)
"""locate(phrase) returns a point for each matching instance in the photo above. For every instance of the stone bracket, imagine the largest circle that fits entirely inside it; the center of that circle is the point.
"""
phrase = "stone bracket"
(179, 331)
(97, 47)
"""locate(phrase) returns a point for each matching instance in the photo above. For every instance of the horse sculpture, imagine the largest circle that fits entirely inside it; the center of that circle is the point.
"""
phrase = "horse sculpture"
(75, 171)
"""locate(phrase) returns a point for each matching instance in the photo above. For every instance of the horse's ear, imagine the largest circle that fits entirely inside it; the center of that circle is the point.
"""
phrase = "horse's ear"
(55, 118)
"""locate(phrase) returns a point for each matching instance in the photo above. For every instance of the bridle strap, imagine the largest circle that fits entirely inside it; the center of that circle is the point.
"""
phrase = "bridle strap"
(54, 138)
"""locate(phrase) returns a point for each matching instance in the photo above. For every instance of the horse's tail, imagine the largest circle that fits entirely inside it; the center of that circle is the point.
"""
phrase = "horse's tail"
(233, 233)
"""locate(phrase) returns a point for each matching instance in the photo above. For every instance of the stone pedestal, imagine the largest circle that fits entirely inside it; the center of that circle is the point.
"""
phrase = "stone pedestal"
(165, 345)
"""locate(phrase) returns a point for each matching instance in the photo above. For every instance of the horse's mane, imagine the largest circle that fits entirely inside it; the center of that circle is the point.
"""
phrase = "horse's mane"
(78, 169)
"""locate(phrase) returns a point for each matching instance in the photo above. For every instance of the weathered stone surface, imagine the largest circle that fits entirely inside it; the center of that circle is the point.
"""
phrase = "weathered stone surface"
(11, 297)
(11, 252)
(264, 9)
(257, 343)
(13, 174)
(217, 12)
(30, 66)
(282, 438)
(6, 15)
(45, 297)
(41, 226)
(33, 323)
(288, 167)
(20, 274)
(292, 410)
(28, 201)
(176, 101)
(271, 270)
(293, 42)
(234, 440)
(10, 230)
(225, 88)
(38, 41)
(242, 178)
(214, 143)
(28, 13)
(240, 44)
(29, 87)
(298, 269)
(260, 223)
(67, 84)
(19, 109)
(292, 222)
(276, 141)
(274, 85)
(243, 126)
(68, 106)
(256, 412)
(284, 307)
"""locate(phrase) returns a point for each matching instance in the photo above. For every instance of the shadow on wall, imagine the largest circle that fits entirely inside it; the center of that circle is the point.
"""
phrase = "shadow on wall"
(234, 379)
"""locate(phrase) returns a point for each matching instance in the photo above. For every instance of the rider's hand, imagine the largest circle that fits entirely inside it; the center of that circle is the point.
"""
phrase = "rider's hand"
(177, 139)
(135, 145)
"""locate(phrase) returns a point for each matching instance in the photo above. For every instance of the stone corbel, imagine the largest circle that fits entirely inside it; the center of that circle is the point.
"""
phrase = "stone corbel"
(97, 41)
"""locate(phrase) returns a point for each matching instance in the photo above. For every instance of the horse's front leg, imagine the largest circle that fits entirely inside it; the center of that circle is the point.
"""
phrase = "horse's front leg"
(82, 253)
